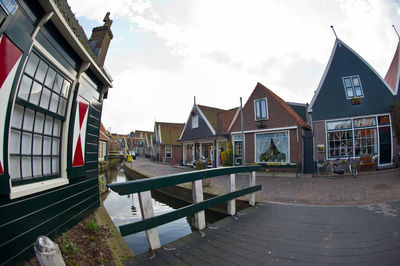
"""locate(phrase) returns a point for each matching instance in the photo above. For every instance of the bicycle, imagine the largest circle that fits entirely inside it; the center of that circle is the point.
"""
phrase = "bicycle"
(339, 166)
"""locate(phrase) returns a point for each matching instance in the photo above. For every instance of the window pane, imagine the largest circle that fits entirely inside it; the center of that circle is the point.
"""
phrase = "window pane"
(37, 144)
(58, 84)
(347, 83)
(55, 166)
(46, 145)
(366, 142)
(26, 166)
(340, 144)
(263, 108)
(365, 122)
(26, 143)
(37, 166)
(61, 106)
(15, 141)
(356, 81)
(32, 64)
(39, 121)
(51, 74)
(350, 92)
(338, 124)
(28, 119)
(17, 116)
(44, 101)
(15, 167)
(54, 102)
(25, 88)
(358, 91)
(258, 111)
(56, 146)
(46, 166)
(57, 127)
(35, 93)
(65, 89)
(41, 72)
(384, 120)
(48, 128)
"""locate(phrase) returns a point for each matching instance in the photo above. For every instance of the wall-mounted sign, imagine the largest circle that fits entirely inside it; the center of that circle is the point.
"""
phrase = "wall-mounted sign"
(320, 147)
(9, 6)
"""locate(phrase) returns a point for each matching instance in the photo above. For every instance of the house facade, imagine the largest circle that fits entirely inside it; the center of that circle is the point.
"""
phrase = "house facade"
(52, 87)
(103, 144)
(273, 132)
(166, 148)
(205, 134)
(148, 144)
(350, 110)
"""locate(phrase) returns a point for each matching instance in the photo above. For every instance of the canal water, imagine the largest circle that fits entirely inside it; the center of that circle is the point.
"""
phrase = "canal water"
(126, 209)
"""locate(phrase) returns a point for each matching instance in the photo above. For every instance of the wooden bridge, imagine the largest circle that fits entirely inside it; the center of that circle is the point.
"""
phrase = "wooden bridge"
(271, 234)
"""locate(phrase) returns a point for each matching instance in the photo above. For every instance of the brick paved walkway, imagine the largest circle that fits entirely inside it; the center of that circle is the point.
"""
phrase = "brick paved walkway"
(373, 187)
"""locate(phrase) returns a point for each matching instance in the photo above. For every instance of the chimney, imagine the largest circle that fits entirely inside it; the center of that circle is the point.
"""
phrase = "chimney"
(100, 39)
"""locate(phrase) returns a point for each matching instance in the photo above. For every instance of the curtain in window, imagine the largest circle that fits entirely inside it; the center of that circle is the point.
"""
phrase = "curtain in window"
(272, 147)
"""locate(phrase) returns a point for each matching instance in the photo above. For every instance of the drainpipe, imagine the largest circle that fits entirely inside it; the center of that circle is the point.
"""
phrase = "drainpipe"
(241, 125)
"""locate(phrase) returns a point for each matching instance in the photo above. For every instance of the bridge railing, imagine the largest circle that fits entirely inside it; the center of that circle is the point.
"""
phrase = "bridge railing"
(145, 186)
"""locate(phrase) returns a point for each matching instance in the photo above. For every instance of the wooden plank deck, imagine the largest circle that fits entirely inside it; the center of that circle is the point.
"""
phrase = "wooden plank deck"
(281, 234)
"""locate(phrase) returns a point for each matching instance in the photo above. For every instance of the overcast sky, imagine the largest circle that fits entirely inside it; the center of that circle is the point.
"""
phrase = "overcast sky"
(165, 52)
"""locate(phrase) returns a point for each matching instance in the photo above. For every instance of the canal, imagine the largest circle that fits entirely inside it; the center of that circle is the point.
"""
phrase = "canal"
(126, 209)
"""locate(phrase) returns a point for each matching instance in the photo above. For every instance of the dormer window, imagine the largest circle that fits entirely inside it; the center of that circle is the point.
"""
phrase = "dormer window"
(195, 121)
(260, 109)
(352, 87)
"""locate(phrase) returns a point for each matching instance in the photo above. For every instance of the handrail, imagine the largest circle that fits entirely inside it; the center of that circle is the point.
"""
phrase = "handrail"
(144, 187)
(135, 186)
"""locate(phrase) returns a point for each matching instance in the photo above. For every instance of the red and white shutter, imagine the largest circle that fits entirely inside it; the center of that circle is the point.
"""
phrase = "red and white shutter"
(10, 56)
(79, 137)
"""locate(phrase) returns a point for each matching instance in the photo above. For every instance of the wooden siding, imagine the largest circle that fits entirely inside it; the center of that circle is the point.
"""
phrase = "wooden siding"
(331, 101)
(202, 131)
(48, 213)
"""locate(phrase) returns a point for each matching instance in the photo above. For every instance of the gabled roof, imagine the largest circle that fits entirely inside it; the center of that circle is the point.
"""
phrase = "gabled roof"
(137, 133)
(170, 132)
(225, 119)
(210, 114)
(278, 100)
(330, 101)
(103, 135)
(300, 109)
(393, 74)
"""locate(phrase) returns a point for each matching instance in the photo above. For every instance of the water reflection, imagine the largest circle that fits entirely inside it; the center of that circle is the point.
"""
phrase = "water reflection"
(126, 209)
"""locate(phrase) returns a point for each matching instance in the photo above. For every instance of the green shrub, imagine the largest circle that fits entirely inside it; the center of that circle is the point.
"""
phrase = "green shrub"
(227, 156)
(200, 165)
(92, 225)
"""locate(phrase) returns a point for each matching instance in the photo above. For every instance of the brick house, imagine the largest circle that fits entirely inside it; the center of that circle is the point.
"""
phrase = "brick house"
(166, 148)
(273, 130)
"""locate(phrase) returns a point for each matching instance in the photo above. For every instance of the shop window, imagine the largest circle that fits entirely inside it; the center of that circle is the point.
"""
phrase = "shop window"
(272, 147)
(37, 121)
(352, 86)
(260, 109)
(366, 142)
(340, 143)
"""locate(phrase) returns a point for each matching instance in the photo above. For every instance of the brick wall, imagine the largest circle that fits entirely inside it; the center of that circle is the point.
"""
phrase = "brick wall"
(176, 154)
(319, 138)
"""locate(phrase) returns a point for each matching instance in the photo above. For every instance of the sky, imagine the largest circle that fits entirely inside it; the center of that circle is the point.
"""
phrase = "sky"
(166, 52)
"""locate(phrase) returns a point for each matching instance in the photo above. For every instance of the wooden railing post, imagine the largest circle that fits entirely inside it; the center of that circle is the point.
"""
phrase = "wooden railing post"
(197, 193)
(231, 188)
(146, 208)
(252, 198)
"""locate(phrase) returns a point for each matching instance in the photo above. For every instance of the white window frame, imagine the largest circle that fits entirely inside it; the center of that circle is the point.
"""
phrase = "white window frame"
(271, 132)
(243, 146)
(170, 155)
(256, 101)
(352, 86)
(35, 187)
(195, 121)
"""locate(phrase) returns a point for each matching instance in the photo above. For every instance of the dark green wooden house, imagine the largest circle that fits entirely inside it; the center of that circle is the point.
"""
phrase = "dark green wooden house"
(350, 110)
(52, 85)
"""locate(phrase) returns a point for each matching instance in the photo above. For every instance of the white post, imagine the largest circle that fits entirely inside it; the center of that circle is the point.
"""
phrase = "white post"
(231, 188)
(197, 193)
(146, 208)
(252, 198)
(48, 252)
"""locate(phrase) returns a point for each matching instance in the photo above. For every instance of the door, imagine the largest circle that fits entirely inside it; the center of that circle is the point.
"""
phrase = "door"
(308, 158)
(385, 146)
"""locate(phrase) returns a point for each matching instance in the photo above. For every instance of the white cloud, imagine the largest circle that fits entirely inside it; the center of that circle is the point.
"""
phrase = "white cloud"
(218, 50)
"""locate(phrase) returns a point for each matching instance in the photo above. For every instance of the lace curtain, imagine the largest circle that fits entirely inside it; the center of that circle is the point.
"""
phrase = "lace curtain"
(272, 147)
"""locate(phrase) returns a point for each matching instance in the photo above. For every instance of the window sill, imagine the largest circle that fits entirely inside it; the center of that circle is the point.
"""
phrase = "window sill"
(21, 191)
